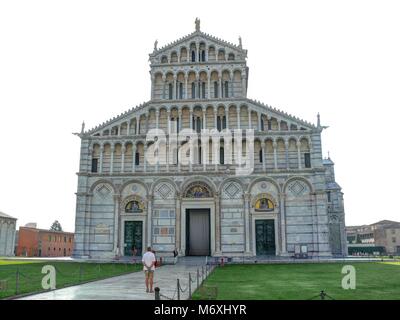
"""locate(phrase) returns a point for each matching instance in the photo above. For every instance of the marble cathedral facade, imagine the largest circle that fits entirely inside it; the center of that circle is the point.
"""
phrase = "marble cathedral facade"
(288, 203)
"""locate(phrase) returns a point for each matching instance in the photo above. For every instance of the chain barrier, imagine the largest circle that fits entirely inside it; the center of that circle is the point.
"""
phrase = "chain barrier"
(179, 289)
(168, 298)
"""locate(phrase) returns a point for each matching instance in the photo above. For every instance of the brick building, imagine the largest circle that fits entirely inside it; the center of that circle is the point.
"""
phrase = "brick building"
(34, 242)
(382, 237)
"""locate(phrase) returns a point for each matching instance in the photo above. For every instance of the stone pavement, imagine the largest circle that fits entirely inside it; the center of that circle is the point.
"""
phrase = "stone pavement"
(131, 286)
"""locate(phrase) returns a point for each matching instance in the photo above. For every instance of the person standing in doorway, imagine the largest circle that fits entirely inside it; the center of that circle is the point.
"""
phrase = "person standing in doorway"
(149, 262)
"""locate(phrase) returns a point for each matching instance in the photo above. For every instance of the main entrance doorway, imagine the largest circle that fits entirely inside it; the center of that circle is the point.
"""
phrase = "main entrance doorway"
(133, 238)
(265, 237)
(197, 232)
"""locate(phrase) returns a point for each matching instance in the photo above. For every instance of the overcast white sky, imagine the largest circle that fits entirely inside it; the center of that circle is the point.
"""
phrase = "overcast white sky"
(62, 62)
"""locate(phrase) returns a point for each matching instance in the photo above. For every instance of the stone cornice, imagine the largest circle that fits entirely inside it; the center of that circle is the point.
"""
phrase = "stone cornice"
(199, 34)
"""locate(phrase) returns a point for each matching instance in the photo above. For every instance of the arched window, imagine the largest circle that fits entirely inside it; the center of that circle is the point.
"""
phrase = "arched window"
(193, 90)
(198, 124)
(221, 155)
(193, 56)
(219, 127)
(180, 90)
(200, 155)
(164, 59)
(203, 90)
(223, 122)
(264, 204)
(137, 158)
(203, 55)
(262, 124)
(215, 89)
(260, 155)
(226, 87)
(170, 91)
(231, 56)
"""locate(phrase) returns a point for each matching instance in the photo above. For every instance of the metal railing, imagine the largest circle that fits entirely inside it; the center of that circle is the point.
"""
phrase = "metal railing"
(201, 275)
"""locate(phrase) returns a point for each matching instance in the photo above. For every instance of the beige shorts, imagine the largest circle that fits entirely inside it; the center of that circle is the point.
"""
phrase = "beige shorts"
(149, 273)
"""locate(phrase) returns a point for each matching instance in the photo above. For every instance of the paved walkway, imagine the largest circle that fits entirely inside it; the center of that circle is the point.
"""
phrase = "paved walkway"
(131, 286)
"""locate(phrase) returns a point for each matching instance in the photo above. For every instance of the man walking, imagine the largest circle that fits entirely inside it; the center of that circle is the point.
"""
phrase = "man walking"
(149, 262)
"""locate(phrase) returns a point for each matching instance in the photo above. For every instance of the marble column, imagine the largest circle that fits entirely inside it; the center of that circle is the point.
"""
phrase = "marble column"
(275, 145)
(164, 81)
(259, 120)
(149, 217)
(298, 144)
(112, 159)
(231, 85)
(191, 118)
(249, 118)
(123, 150)
(264, 158)
(186, 86)
(179, 127)
(217, 224)
(247, 221)
(144, 158)
(287, 153)
(169, 121)
(283, 222)
(243, 84)
(221, 89)
(116, 249)
(209, 86)
(157, 118)
(101, 159)
(178, 224)
(238, 116)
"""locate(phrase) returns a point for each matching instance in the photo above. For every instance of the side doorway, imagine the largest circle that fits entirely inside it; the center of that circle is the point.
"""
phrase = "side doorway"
(265, 237)
(133, 238)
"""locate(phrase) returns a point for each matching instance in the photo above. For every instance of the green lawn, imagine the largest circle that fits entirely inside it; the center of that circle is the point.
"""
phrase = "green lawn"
(374, 280)
(67, 273)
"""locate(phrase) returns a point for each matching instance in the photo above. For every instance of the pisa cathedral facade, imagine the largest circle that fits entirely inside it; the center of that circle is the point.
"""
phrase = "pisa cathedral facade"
(288, 202)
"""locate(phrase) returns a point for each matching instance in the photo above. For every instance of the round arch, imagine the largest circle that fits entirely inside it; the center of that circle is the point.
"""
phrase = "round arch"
(267, 179)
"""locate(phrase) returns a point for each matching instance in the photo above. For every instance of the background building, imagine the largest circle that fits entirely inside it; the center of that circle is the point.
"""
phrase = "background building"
(288, 203)
(33, 242)
(382, 237)
(7, 234)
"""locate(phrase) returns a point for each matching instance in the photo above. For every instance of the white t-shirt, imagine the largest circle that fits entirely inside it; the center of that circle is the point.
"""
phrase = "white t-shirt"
(148, 259)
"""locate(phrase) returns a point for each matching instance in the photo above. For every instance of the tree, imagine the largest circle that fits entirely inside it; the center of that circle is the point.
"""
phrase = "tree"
(56, 226)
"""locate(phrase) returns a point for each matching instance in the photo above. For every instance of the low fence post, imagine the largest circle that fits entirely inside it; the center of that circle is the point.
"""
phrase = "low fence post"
(190, 286)
(178, 288)
(157, 293)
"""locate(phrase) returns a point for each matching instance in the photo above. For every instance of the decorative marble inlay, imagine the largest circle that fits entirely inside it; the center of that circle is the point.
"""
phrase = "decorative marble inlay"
(232, 190)
(297, 188)
(164, 190)
(103, 191)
